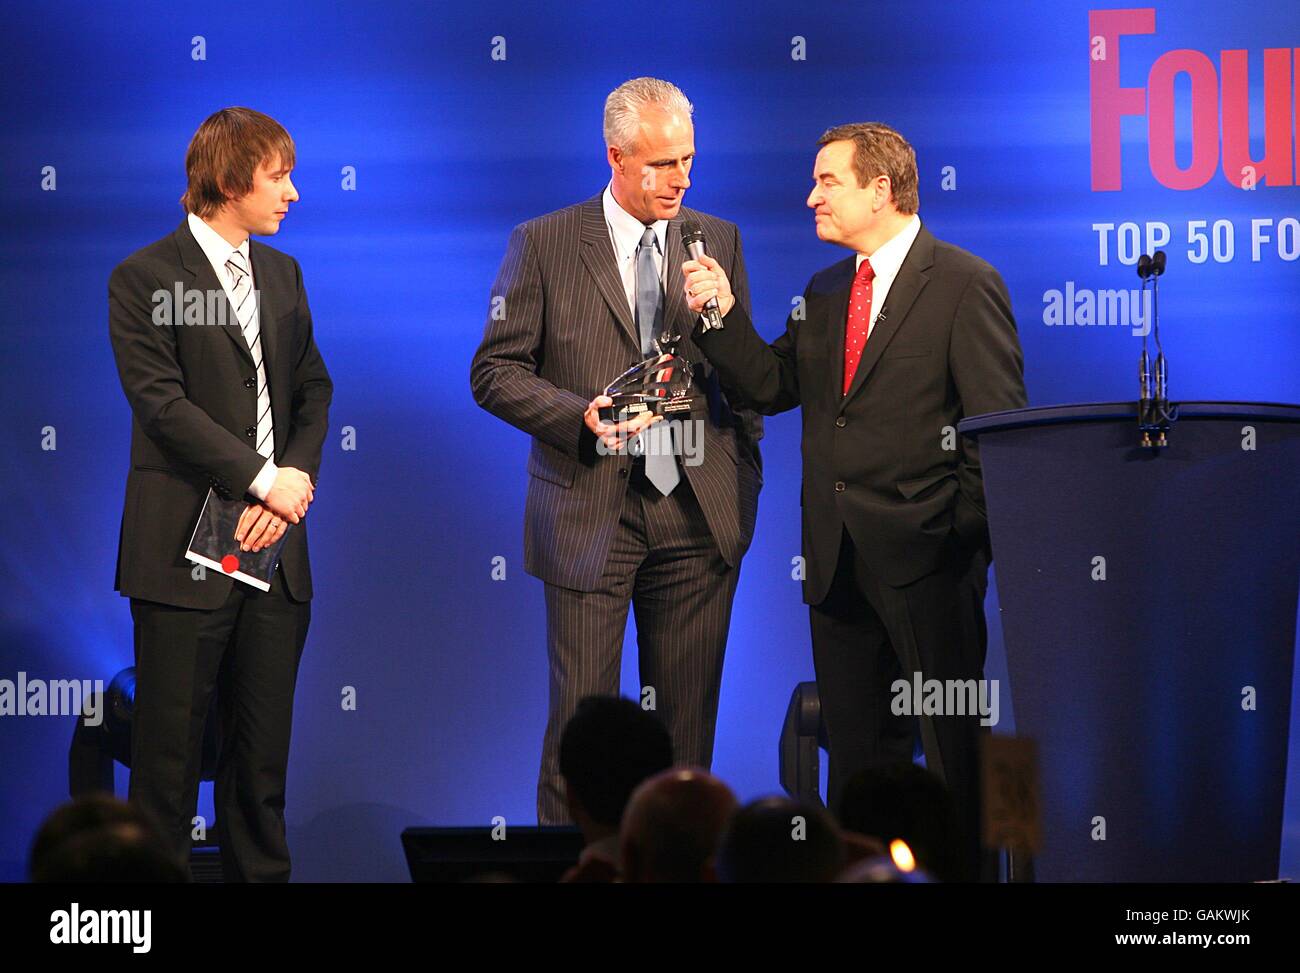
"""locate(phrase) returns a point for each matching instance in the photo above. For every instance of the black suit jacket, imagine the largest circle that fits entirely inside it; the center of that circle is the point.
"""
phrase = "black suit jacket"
(193, 396)
(877, 460)
(558, 332)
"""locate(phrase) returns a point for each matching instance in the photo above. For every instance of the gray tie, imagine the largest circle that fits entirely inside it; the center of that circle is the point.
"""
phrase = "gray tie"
(657, 441)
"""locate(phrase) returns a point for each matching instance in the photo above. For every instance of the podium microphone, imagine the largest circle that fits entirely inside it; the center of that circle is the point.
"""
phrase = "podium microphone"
(1144, 363)
(693, 241)
(1154, 414)
(1162, 365)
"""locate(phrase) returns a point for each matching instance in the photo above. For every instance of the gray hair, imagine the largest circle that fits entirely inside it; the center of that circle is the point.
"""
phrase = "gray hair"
(624, 105)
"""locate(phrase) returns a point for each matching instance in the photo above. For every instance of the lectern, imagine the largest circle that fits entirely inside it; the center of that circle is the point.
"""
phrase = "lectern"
(1149, 612)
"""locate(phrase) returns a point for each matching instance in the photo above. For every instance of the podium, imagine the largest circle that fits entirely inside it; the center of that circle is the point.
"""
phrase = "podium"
(1149, 612)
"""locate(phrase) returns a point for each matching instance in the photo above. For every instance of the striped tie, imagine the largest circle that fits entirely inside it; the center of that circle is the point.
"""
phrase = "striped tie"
(245, 299)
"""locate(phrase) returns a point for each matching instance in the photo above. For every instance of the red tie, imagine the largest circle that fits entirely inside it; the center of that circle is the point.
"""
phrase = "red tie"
(855, 330)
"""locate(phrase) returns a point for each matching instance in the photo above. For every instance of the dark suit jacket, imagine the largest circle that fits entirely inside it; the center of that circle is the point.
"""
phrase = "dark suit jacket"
(193, 396)
(561, 331)
(875, 461)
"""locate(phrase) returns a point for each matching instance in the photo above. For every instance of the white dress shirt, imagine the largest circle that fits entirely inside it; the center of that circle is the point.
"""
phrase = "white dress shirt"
(625, 232)
(886, 262)
(218, 250)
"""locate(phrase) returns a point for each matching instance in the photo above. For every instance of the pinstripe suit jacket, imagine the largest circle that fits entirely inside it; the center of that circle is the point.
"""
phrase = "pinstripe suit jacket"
(561, 331)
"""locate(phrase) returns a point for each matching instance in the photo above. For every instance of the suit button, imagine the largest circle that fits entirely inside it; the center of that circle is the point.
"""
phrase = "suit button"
(623, 473)
(840, 421)
(250, 383)
(839, 486)
(250, 432)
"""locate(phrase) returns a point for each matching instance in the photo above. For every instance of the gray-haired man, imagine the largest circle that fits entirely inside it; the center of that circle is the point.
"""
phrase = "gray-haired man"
(584, 297)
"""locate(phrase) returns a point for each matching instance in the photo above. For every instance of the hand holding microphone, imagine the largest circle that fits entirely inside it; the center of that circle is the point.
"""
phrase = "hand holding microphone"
(708, 292)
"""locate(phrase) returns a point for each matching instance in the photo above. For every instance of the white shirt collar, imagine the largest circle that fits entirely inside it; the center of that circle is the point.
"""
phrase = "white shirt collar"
(216, 247)
(889, 257)
(626, 230)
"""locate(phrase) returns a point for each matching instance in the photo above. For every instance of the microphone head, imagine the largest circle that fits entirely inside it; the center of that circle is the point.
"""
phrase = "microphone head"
(691, 233)
(1158, 263)
(1144, 266)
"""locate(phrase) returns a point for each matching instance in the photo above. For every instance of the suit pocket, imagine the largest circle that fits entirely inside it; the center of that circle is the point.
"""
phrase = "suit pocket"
(549, 464)
(918, 487)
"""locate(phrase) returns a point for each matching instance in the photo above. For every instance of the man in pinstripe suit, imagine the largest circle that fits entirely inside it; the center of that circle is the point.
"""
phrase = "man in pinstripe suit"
(579, 298)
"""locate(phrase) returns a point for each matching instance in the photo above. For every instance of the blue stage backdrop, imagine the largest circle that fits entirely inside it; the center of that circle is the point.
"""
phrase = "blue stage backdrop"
(1054, 140)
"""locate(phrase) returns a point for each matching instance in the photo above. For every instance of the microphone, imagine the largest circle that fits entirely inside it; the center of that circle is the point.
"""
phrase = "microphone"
(693, 241)
(1144, 363)
(1161, 389)
(1154, 412)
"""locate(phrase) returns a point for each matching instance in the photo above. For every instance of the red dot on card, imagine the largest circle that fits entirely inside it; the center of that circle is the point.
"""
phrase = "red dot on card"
(230, 563)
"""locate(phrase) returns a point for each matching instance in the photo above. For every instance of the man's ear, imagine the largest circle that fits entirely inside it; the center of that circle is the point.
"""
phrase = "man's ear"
(615, 155)
(884, 193)
(227, 196)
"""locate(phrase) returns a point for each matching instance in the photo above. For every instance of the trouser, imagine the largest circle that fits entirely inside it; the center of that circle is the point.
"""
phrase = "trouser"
(866, 635)
(248, 652)
(664, 562)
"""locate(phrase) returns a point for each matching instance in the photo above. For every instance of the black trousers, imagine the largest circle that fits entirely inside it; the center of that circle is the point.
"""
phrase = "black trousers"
(665, 563)
(867, 634)
(248, 651)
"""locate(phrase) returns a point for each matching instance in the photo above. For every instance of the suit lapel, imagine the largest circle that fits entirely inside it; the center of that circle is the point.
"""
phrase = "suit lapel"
(903, 292)
(195, 261)
(597, 254)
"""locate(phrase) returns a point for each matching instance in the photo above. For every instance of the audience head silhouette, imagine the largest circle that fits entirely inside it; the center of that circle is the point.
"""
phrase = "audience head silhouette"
(672, 826)
(99, 838)
(777, 839)
(609, 747)
(902, 800)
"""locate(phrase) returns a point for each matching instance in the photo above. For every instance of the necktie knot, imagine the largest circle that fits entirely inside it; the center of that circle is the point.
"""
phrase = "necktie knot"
(648, 237)
(866, 272)
(236, 265)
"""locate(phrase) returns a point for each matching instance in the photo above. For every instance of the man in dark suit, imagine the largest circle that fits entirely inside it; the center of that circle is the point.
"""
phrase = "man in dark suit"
(214, 347)
(886, 352)
(580, 297)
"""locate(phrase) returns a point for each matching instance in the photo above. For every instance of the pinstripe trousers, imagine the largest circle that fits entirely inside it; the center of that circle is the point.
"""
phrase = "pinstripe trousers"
(665, 563)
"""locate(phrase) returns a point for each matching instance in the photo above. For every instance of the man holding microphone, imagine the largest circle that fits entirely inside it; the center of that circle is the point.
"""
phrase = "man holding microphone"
(584, 293)
(890, 348)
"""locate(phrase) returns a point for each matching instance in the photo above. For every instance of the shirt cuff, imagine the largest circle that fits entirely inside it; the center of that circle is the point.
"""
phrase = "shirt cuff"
(264, 480)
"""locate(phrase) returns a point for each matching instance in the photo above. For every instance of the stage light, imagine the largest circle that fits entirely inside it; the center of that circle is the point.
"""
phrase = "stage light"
(95, 748)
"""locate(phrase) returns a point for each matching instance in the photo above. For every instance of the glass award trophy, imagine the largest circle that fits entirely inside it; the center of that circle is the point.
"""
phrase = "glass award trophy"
(660, 385)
